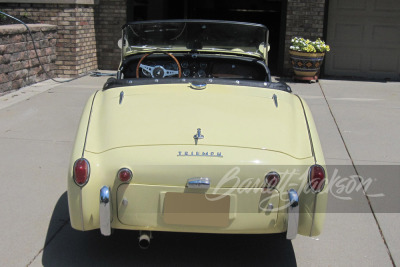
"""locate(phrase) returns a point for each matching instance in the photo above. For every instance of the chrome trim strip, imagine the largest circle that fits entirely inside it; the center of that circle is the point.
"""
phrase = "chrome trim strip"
(275, 98)
(87, 128)
(308, 129)
(315, 160)
(105, 211)
(121, 97)
(198, 182)
(83, 154)
(81, 204)
(293, 215)
(313, 215)
(198, 86)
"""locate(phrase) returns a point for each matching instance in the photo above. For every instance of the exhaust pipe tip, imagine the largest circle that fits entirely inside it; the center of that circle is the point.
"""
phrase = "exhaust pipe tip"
(144, 240)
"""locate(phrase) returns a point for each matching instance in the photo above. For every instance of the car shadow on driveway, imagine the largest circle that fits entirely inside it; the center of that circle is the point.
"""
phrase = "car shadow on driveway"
(65, 247)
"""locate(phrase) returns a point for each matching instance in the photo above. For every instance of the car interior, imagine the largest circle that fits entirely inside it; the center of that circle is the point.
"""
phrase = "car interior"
(194, 65)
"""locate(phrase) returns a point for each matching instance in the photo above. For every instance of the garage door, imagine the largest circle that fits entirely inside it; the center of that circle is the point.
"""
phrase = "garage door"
(365, 39)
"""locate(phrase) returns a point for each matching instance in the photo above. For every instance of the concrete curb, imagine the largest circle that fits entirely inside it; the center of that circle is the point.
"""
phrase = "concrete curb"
(25, 93)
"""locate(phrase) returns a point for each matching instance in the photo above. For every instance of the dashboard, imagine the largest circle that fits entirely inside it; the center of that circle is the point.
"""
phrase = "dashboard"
(195, 66)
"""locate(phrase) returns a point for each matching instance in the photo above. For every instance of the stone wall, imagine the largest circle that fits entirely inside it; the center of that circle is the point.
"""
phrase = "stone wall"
(305, 18)
(19, 65)
(76, 44)
(110, 15)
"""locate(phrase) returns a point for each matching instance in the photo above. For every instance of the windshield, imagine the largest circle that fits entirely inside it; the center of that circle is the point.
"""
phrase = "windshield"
(197, 35)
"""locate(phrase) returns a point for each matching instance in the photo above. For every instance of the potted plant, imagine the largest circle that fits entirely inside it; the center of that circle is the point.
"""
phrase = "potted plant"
(306, 57)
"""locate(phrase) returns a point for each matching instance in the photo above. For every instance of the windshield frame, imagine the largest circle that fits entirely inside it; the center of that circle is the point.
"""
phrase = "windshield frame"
(260, 52)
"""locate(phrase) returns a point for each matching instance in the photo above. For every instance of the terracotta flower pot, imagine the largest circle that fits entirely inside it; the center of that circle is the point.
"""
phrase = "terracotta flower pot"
(306, 64)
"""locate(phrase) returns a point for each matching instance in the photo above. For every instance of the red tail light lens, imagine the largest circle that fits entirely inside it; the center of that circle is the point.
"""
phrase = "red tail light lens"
(317, 178)
(125, 175)
(272, 179)
(81, 171)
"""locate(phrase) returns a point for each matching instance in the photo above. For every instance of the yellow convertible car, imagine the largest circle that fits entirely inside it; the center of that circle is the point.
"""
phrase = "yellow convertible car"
(193, 136)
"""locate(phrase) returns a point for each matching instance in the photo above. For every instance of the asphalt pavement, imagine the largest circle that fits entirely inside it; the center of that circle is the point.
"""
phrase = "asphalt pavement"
(358, 124)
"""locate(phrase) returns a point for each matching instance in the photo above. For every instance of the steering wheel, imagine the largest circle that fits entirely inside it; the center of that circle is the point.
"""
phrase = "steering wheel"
(159, 71)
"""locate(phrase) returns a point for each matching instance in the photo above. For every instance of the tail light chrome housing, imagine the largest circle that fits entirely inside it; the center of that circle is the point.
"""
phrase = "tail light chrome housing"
(81, 172)
(272, 180)
(125, 175)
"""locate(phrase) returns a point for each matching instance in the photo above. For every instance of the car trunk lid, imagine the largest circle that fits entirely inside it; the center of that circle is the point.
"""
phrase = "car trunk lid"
(220, 115)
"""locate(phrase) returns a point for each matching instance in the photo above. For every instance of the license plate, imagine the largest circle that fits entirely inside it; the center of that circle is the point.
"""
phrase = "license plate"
(196, 209)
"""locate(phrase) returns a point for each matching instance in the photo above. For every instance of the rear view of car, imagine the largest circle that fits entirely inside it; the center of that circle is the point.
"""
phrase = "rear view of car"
(194, 138)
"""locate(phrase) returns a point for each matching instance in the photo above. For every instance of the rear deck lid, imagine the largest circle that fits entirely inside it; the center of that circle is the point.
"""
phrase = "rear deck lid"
(220, 115)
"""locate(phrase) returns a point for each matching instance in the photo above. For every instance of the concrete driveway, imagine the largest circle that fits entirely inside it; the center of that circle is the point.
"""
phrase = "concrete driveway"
(358, 124)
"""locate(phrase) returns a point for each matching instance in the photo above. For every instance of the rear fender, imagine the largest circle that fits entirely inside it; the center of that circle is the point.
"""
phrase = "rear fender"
(74, 191)
(312, 212)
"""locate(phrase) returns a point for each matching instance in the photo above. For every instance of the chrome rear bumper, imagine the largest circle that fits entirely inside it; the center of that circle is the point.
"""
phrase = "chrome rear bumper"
(105, 211)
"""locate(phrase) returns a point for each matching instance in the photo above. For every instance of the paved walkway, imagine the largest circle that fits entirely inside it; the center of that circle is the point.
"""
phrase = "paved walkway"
(358, 124)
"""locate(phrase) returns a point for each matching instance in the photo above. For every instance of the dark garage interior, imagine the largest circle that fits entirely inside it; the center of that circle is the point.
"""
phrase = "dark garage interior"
(270, 13)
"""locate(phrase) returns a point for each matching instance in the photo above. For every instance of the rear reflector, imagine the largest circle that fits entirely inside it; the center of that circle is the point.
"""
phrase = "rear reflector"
(316, 178)
(272, 179)
(81, 171)
(125, 175)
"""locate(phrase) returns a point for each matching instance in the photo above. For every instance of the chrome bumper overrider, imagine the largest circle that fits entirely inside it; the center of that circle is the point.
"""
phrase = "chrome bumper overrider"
(105, 211)
(293, 214)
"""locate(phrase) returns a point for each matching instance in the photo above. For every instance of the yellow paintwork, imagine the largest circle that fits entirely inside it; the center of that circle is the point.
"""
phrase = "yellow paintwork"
(170, 114)
(154, 123)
